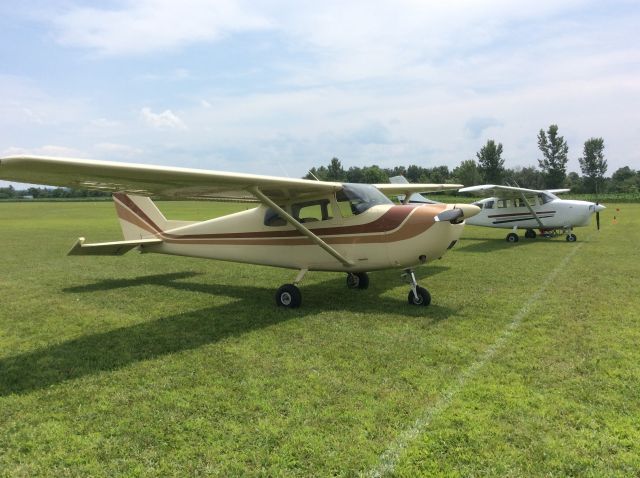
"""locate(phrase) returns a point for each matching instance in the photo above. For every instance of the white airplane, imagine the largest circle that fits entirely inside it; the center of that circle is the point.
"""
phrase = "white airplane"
(298, 224)
(514, 207)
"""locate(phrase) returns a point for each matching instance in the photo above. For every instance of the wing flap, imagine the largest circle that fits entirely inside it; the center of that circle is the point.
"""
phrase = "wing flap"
(116, 248)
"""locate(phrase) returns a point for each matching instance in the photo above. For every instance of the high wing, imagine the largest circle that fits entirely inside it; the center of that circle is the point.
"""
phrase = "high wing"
(160, 181)
(408, 189)
(506, 192)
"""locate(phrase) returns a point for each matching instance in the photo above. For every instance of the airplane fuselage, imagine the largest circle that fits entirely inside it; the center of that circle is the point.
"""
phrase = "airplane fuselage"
(553, 212)
(385, 236)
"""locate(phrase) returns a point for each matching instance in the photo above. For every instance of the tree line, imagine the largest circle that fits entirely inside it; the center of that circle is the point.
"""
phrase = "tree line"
(489, 168)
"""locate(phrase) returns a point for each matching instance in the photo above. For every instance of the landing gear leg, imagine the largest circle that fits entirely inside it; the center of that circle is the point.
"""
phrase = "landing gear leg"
(289, 295)
(417, 295)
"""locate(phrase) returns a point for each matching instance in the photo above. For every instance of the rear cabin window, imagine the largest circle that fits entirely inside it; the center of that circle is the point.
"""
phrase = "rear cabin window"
(309, 211)
(503, 203)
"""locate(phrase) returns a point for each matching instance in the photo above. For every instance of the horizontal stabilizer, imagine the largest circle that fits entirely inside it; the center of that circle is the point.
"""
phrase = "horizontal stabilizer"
(116, 248)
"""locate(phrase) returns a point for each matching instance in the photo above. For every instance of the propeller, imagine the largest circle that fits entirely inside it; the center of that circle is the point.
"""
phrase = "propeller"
(597, 216)
(458, 213)
(454, 216)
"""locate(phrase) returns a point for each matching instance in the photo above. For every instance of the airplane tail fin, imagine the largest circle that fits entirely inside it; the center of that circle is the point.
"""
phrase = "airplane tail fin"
(139, 217)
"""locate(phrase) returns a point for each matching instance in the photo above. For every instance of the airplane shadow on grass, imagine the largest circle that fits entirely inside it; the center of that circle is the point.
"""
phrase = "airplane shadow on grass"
(254, 309)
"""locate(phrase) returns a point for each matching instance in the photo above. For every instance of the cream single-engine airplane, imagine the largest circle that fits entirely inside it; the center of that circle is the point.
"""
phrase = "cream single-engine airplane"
(514, 207)
(299, 224)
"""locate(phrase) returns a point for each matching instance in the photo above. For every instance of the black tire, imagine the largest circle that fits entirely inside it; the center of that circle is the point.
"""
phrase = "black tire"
(571, 238)
(530, 234)
(289, 296)
(358, 280)
(423, 298)
(512, 237)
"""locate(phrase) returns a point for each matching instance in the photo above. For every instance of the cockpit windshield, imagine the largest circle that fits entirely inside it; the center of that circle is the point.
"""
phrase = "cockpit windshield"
(361, 197)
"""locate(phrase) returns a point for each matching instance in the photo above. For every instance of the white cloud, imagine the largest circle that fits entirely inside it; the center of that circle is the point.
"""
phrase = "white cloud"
(165, 120)
(143, 26)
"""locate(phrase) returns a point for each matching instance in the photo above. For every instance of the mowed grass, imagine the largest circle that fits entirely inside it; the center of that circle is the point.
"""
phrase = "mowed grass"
(527, 363)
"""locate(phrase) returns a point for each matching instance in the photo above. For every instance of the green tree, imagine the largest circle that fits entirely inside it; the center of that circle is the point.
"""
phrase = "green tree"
(374, 175)
(554, 151)
(413, 173)
(490, 162)
(317, 173)
(467, 173)
(592, 163)
(526, 177)
(335, 171)
(625, 180)
(575, 183)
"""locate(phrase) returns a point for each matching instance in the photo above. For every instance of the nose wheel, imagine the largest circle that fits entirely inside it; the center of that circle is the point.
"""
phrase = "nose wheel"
(417, 295)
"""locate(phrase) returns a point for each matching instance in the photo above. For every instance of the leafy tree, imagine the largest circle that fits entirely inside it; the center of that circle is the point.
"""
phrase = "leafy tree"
(374, 175)
(625, 180)
(317, 173)
(467, 173)
(575, 182)
(413, 173)
(592, 162)
(490, 162)
(527, 177)
(335, 171)
(554, 151)
(439, 174)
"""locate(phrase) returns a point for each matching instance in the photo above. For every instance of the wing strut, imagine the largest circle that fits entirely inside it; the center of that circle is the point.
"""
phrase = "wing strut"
(531, 210)
(298, 225)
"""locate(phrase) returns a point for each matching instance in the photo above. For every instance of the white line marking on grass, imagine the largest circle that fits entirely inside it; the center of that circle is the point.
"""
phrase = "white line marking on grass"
(389, 459)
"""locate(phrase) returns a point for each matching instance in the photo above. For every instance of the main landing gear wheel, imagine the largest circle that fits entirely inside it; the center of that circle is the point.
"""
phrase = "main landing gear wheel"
(289, 296)
(357, 280)
(423, 297)
(571, 238)
(530, 234)
(512, 237)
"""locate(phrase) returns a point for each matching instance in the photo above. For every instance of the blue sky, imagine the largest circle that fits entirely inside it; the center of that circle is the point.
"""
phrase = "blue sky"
(276, 87)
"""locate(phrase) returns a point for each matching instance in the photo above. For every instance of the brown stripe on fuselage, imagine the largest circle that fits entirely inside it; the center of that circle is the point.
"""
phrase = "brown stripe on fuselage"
(420, 219)
(397, 223)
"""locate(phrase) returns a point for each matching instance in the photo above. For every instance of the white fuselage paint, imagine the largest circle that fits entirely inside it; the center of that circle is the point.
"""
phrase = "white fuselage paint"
(414, 240)
(554, 214)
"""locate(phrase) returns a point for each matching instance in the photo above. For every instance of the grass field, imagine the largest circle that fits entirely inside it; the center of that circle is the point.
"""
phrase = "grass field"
(527, 363)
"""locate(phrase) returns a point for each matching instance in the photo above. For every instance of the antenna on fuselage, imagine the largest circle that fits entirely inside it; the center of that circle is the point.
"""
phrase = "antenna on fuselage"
(314, 176)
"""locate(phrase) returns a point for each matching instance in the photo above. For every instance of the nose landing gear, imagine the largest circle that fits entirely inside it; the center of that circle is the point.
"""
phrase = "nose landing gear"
(417, 295)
